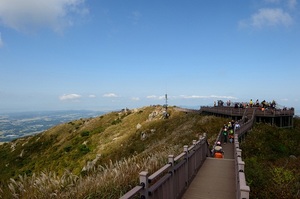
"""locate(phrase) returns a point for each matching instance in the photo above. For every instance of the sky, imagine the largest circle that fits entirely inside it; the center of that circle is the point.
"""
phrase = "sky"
(111, 54)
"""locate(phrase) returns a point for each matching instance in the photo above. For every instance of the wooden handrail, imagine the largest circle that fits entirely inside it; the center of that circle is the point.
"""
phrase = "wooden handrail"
(132, 192)
(166, 178)
(159, 172)
(242, 190)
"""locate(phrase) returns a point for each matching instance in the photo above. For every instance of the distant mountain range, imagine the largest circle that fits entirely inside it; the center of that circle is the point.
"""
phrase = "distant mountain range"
(20, 124)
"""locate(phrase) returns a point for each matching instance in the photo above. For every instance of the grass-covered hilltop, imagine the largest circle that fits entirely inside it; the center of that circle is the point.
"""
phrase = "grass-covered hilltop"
(101, 157)
(98, 157)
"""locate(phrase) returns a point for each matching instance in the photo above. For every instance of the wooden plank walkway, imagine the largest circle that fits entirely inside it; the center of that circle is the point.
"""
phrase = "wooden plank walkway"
(215, 179)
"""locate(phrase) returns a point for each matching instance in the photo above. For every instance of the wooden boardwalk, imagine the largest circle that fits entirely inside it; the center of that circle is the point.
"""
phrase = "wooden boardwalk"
(215, 179)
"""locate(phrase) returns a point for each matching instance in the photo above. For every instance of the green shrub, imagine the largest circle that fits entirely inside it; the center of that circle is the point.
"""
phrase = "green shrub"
(67, 148)
(84, 149)
(271, 171)
(85, 133)
(116, 121)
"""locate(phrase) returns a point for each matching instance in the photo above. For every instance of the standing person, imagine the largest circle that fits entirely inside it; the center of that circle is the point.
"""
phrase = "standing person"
(218, 152)
(251, 103)
(257, 103)
(236, 126)
(225, 135)
(231, 135)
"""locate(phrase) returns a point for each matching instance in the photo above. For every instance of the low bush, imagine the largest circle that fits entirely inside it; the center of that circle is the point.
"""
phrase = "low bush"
(272, 159)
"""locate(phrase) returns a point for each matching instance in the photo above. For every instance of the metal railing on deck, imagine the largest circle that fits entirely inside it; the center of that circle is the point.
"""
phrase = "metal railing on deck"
(227, 110)
(245, 126)
(223, 110)
(172, 180)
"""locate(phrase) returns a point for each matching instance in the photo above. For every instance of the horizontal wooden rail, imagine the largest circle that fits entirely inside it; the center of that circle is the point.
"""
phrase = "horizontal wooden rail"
(159, 172)
(132, 192)
(179, 157)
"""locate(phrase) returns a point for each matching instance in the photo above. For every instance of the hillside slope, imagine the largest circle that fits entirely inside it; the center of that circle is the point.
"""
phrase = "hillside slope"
(84, 148)
(272, 159)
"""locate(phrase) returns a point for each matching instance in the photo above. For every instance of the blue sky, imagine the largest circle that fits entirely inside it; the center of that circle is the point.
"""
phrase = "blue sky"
(105, 55)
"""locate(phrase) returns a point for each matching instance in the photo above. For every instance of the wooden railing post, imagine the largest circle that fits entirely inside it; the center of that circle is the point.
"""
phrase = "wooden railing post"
(245, 190)
(205, 149)
(241, 164)
(239, 152)
(201, 153)
(194, 142)
(145, 184)
(171, 170)
(195, 155)
(171, 161)
(200, 137)
(186, 151)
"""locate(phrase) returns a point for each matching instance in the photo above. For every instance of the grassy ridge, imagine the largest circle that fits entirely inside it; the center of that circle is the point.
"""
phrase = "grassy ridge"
(98, 157)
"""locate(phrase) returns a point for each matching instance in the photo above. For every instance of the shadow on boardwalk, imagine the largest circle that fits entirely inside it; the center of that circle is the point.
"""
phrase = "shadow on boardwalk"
(215, 179)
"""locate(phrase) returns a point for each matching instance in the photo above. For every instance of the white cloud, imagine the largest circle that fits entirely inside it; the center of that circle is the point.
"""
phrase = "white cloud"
(292, 4)
(110, 95)
(155, 97)
(151, 97)
(135, 98)
(192, 97)
(34, 14)
(206, 97)
(1, 42)
(92, 96)
(69, 97)
(268, 17)
(271, 17)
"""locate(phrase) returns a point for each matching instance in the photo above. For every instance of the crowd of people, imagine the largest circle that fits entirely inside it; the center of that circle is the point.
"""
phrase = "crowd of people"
(227, 135)
(263, 104)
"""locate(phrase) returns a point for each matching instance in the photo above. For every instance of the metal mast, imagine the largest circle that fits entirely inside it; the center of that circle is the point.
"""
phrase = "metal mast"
(166, 115)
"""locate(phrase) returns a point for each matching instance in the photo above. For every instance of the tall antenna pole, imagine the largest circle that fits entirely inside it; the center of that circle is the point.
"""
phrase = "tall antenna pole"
(166, 105)
(166, 115)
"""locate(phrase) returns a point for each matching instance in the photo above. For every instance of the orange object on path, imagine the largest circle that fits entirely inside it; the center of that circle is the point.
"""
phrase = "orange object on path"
(218, 155)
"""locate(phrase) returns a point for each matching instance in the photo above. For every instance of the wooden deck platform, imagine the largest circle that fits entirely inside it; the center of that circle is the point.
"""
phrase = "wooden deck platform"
(278, 117)
(215, 179)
